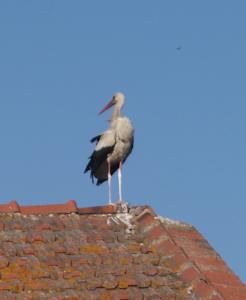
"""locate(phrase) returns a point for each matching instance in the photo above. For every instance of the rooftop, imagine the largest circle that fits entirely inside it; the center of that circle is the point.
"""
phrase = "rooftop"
(107, 252)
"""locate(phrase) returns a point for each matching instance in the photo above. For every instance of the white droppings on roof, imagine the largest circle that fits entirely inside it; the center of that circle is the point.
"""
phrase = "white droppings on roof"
(34, 217)
(124, 218)
(114, 219)
(190, 289)
(172, 222)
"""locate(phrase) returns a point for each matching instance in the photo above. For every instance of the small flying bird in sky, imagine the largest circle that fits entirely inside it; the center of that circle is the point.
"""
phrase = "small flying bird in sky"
(112, 147)
(179, 47)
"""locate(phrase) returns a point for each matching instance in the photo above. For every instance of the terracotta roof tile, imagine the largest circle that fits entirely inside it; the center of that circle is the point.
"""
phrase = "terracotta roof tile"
(108, 252)
(69, 207)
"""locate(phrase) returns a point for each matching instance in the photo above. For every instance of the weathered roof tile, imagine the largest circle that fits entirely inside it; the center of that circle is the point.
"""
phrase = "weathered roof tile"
(108, 252)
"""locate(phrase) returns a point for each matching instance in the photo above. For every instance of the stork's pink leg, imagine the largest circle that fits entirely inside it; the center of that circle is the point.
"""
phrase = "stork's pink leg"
(109, 183)
(120, 182)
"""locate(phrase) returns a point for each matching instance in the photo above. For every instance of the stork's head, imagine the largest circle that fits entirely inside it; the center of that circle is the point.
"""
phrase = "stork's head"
(118, 100)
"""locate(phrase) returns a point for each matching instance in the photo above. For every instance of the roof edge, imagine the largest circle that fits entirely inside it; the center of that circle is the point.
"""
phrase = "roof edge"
(63, 208)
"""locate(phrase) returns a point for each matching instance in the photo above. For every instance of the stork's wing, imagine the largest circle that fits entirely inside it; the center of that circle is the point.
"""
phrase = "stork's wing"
(96, 138)
(130, 148)
(105, 145)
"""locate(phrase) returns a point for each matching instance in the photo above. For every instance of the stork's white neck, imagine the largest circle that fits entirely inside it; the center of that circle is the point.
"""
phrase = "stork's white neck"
(117, 111)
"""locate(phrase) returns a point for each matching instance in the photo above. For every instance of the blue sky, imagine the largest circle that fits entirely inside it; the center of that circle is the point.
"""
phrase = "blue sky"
(61, 61)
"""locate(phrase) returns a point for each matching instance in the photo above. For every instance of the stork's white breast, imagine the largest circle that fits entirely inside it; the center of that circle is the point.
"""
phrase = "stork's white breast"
(124, 129)
(124, 138)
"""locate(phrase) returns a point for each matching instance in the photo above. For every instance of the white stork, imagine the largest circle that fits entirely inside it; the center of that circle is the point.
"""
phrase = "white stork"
(112, 146)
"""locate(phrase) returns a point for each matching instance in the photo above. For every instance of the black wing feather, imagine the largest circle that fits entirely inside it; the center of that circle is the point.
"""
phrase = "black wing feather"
(96, 138)
(114, 167)
(97, 158)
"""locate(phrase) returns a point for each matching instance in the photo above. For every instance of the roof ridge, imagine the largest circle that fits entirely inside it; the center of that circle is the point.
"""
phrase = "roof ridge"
(155, 227)
(203, 256)
(191, 263)
(62, 208)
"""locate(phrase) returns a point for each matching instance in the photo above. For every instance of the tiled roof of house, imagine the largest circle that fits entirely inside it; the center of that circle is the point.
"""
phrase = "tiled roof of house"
(64, 252)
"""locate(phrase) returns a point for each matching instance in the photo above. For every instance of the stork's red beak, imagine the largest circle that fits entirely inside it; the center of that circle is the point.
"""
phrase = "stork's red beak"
(111, 103)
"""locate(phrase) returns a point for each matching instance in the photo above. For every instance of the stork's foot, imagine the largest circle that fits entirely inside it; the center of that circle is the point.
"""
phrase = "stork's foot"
(121, 201)
(118, 202)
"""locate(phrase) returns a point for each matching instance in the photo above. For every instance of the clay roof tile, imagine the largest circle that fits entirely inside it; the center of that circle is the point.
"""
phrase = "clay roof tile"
(60, 251)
